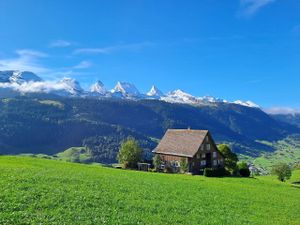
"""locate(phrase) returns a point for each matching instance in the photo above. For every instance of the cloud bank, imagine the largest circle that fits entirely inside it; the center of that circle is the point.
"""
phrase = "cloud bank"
(250, 7)
(282, 110)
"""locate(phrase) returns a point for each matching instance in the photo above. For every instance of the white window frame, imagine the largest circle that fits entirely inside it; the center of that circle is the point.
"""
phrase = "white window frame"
(215, 155)
(203, 163)
(203, 155)
(215, 162)
(208, 147)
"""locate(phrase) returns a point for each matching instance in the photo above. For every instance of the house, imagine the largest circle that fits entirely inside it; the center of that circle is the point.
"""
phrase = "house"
(197, 147)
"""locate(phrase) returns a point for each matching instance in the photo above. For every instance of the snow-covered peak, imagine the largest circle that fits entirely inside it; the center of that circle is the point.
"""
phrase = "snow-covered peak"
(155, 92)
(98, 88)
(126, 89)
(71, 86)
(19, 77)
(212, 99)
(246, 103)
(179, 96)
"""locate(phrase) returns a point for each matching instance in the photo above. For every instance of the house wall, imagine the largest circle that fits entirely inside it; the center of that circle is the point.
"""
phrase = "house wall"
(201, 159)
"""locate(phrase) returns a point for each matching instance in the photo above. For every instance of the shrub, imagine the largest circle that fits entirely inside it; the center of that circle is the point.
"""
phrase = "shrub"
(157, 161)
(282, 171)
(245, 172)
(184, 165)
(243, 169)
(212, 172)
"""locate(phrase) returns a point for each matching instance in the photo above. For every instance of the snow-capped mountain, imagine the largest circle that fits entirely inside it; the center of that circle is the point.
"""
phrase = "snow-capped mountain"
(126, 90)
(70, 86)
(179, 96)
(212, 99)
(19, 77)
(246, 103)
(155, 93)
(14, 82)
(98, 88)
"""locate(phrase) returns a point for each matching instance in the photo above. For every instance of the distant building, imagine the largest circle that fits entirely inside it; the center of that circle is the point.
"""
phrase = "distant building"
(195, 146)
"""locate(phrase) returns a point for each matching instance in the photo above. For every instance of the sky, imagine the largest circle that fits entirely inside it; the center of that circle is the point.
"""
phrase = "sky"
(232, 49)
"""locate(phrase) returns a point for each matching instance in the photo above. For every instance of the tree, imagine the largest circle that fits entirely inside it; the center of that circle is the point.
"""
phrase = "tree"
(184, 165)
(157, 161)
(130, 153)
(243, 169)
(230, 158)
(282, 171)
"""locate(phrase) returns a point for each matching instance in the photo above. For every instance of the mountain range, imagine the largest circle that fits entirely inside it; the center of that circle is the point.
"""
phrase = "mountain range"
(21, 82)
(48, 117)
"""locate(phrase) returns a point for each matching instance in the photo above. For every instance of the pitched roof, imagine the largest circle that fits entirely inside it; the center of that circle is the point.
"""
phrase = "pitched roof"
(181, 142)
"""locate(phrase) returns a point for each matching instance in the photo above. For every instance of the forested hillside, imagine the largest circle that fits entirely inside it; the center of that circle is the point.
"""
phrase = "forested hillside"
(50, 124)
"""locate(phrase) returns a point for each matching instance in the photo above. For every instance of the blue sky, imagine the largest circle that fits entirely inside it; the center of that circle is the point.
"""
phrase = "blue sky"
(233, 49)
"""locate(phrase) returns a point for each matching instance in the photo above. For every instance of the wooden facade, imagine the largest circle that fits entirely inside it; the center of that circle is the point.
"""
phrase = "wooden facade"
(202, 154)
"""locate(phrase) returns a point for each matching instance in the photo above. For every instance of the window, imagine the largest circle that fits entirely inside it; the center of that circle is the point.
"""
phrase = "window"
(208, 146)
(202, 147)
(198, 155)
(177, 164)
(206, 138)
(203, 162)
(215, 162)
(203, 156)
(215, 154)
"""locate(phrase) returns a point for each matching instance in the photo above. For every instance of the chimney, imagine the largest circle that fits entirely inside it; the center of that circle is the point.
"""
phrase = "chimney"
(189, 127)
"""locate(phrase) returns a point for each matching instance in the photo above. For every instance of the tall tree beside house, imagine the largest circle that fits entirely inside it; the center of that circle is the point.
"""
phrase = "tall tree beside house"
(130, 153)
(282, 171)
(230, 158)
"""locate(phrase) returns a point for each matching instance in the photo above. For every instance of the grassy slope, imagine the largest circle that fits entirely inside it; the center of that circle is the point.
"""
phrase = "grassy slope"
(45, 191)
(75, 154)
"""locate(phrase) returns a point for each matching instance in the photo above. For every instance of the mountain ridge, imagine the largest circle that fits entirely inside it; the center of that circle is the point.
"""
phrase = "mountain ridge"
(14, 82)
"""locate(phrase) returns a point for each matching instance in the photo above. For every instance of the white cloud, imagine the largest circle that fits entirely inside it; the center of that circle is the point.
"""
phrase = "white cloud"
(282, 110)
(26, 60)
(83, 65)
(60, 44)
(250, 7)
(35, 87)
(115, 48)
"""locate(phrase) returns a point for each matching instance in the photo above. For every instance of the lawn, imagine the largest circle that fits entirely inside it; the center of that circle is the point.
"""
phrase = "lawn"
(42, 191)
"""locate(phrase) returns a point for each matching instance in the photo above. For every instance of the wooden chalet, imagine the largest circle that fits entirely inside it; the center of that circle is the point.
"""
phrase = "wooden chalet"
(197, 147)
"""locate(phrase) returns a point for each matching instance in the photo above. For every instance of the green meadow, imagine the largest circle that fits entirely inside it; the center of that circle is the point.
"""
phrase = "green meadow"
(43, 191)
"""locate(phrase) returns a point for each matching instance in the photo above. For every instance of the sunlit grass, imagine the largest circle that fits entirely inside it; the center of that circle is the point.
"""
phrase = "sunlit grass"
(34, 191)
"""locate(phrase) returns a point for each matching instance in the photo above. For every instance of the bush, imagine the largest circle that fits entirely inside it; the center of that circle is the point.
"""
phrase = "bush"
(244, 172)
(212, 172)
(157, 161)
(243, 169)
(184, 165)
(282, 171)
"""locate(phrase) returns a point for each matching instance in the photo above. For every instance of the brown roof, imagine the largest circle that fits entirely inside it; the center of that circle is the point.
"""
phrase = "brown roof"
(181, 142)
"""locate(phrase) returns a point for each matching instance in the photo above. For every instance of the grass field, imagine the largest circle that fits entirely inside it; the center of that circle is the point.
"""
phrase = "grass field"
(41, 191)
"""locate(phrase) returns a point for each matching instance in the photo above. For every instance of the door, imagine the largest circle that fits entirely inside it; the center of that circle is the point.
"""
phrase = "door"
(208, 160)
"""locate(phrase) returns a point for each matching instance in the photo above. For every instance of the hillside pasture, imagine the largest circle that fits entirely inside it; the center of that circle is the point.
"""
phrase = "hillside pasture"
(42, 191)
